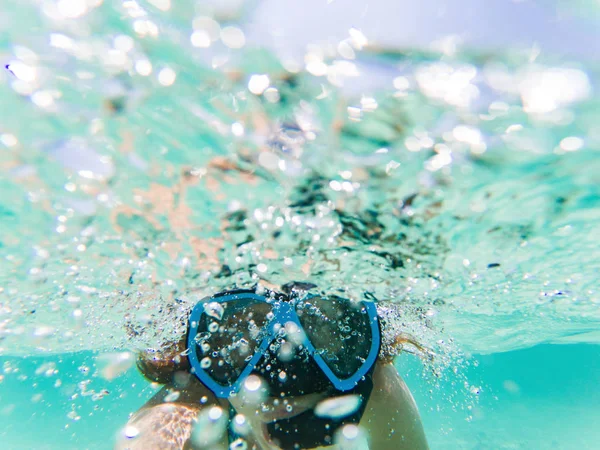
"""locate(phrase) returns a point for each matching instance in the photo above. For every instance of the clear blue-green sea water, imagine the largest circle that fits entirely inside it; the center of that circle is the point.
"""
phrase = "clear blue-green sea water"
(544, 397)
(152, 153)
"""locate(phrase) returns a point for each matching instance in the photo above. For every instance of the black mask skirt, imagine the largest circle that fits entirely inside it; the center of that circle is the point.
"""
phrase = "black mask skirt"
(307, 430)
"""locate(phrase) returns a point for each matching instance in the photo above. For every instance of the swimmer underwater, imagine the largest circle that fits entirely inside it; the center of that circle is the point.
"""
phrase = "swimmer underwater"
(289, 370)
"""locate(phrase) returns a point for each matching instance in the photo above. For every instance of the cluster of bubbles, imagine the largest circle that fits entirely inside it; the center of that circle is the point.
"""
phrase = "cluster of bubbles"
(211, 426)
(153, 157)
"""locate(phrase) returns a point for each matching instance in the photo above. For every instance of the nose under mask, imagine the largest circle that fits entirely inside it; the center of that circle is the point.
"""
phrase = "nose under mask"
(298, 375)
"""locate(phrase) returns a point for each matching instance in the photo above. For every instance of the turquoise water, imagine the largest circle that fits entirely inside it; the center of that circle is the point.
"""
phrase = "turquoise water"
(152, 154)
(544, 398)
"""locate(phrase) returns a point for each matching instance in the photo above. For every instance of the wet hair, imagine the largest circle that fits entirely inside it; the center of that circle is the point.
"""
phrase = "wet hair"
(161, 366)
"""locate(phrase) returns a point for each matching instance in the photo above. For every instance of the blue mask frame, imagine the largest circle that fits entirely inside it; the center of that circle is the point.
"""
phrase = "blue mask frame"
(283, 312)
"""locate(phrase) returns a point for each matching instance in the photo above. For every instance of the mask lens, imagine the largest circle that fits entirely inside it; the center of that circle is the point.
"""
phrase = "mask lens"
(339, 330)
(228, 335)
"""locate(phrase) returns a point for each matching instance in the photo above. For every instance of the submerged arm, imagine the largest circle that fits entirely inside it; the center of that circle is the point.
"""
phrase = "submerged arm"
(167, 425)
(167, 420)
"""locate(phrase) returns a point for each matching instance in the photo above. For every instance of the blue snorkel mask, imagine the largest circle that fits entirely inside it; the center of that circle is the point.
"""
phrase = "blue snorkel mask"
(234, 333)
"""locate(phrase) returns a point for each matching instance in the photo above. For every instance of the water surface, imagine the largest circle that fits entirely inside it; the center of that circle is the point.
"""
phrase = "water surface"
(153, 155)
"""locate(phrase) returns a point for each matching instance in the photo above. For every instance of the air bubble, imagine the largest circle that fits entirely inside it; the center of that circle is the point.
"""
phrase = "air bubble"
(285, 352)
(233, 37)
(200, 39)
(210, 427)
(113, 365)
(172, 396)
(258, 83)
(143, 67)
(254, 390)
(167, 76)
(73, 416)
(205, 362)
(351, 437)
(240, 425)
(131, 432)
(338, 407)
(238, 444)
(253, 383)
(215, 310)
(202, 336)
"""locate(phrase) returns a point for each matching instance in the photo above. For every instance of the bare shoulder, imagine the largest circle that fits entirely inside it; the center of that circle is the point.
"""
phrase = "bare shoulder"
(392, 418)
